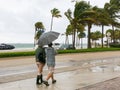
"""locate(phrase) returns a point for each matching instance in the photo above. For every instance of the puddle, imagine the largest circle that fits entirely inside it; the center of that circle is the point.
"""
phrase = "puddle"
(96, 69)
(103, 65)
(117, 68)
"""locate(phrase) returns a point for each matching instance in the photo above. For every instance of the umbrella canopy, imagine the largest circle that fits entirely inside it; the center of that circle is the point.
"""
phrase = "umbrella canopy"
(48, 37)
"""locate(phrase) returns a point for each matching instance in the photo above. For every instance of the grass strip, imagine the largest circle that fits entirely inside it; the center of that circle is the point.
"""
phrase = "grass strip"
(88, 50)
(31, 53)
(16, 54)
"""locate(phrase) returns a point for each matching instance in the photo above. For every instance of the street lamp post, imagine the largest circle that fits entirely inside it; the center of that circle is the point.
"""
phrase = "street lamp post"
(108, 38)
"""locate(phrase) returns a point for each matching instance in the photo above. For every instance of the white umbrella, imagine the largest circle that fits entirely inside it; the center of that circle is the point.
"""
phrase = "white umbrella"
(48, 37)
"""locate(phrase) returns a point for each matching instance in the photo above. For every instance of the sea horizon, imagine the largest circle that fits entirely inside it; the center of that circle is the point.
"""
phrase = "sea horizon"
(27, 46)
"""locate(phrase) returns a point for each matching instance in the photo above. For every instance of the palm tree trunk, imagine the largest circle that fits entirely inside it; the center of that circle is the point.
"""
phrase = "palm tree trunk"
(77, 40)
(66, 40)
(119, 36)
(95, 44)
(34, 36)
(81, 43)
(51, 23)
(113, 34)
(102, 35)
(89, 43)
(74, 39)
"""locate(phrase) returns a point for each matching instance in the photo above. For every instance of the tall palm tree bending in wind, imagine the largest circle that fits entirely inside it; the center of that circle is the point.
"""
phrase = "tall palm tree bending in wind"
(55, 13)
(39, 29)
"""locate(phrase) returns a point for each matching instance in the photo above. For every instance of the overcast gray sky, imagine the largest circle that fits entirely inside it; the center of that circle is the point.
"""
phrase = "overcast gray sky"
(17, 18)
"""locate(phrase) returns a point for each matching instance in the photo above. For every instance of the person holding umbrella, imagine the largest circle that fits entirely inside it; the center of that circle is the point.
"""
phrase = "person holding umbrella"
(40, 57)
(50, 58)
(46, 39)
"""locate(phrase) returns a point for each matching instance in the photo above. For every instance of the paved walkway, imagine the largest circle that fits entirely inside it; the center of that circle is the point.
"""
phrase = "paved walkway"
(72, 80)
(112, 84)
(87, 73)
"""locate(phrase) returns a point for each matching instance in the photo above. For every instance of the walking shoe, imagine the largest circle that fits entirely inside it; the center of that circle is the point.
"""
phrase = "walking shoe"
(46, 83)
(54, 81)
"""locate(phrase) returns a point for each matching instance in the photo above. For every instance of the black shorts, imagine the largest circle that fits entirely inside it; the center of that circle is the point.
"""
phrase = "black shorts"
(41, 61)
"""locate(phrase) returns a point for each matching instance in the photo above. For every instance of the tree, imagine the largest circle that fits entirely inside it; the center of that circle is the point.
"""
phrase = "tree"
(113, 9)
(68, 32)
(80, 7)
(111, 32)
(80, 29)
(95, 36)
(86, 16)
(117, 35)
(39, 29)
(103, 19)
(55, 13)
(81, 35)
(73, 22)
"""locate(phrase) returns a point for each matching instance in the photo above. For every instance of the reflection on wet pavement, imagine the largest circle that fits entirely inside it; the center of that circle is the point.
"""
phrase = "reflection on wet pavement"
(88, 72)
(99, 65)
(103, 65)
(106, 65)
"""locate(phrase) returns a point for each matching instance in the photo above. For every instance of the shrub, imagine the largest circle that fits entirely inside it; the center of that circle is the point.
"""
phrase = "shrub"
(115, 45)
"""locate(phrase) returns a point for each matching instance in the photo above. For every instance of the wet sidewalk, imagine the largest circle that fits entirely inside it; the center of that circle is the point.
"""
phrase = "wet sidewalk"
(75, 79)
(74, 72)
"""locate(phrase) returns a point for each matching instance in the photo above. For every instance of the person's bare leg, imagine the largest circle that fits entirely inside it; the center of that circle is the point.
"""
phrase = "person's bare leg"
(38, 75)
(53, 80)
(49, 76)
(46, 81)
(52, 77)
(52, 74)
(40, 70)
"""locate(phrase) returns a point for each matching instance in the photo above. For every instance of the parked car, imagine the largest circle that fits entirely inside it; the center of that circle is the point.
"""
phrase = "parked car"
(66, 47)
(6, 46)
(56, 45)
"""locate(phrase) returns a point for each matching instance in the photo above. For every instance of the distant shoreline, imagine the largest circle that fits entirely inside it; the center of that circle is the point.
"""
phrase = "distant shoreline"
(18, 50)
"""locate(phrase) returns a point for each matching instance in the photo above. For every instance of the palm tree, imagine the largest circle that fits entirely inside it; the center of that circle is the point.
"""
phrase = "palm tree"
(103, 19)
(72, 21)
(80, 7)
(95, 36)
(111, 31)
(68, 32)
(89, 18)
(80, 30)
(117, 35)
(81, 35)
(55, 13)
(113, 8)
(39, 29)
(86, 16)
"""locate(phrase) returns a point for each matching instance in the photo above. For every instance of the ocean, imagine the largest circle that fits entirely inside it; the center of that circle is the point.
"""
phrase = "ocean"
(20, 47)
(30, 46)
(23, 45)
